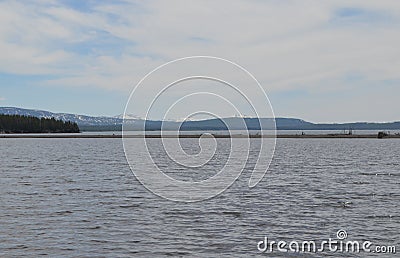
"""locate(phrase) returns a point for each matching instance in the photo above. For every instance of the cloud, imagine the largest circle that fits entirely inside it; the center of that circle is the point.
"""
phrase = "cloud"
(283, 42)
(2, 99)
(287, 45)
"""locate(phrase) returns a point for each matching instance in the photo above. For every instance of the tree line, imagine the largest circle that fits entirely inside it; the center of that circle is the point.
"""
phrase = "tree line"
(30, 124)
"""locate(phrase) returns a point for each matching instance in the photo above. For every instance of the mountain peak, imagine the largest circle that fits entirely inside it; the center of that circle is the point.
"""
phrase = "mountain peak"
(128, 116)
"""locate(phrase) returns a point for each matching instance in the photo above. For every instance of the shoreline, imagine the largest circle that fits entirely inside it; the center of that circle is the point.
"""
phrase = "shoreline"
(282, 136)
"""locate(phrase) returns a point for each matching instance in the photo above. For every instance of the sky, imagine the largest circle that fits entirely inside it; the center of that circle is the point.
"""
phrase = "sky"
(321, 61)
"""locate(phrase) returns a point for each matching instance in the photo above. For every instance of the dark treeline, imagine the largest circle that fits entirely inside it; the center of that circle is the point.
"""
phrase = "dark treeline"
(30, 124)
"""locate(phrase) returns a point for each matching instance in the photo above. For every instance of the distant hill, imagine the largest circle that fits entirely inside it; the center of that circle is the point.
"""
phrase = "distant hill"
(79, 119)
(104, 123)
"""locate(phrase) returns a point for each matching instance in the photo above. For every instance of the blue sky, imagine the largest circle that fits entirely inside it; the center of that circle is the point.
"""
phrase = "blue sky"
(323, 61)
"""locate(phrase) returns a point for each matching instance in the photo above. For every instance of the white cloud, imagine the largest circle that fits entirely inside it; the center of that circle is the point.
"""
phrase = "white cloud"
(2, 99)
(288, 45)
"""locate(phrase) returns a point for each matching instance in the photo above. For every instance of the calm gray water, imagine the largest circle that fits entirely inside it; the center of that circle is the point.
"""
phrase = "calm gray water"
(78, 198)
(223, 132)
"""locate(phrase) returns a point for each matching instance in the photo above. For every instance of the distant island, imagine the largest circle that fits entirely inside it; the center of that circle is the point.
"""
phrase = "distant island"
(30, 124)
(104, 123)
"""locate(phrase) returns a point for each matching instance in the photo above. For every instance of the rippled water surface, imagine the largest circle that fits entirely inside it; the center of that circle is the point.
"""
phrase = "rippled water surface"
(78, 198)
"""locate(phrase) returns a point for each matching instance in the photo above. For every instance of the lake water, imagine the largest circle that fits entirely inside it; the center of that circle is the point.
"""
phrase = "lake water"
(78, 198)
(223, 132)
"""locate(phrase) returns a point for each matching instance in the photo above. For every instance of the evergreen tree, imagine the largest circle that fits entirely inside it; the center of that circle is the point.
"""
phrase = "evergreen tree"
(29, 124)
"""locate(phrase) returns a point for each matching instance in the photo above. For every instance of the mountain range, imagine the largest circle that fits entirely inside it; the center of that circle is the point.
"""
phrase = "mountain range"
(104, 123)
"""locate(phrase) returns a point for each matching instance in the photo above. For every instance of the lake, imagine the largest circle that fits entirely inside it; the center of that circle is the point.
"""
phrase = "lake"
(78, 198)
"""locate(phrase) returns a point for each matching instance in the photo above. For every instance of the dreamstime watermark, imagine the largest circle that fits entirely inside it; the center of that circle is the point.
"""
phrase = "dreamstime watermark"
(340, 244)
(193, 86)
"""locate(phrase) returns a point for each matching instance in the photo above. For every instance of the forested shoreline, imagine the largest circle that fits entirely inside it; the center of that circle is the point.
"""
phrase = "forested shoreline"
(30, 124)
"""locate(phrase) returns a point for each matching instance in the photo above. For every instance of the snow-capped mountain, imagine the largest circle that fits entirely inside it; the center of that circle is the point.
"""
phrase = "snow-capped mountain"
(133, 122)
(79, 119)
(129, 116)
